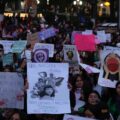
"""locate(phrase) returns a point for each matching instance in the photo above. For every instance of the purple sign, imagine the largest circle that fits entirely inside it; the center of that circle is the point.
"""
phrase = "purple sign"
(50, 32)
(41, 55)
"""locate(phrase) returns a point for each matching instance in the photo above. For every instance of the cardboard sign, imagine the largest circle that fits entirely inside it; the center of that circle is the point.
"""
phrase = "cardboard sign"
(48, 92)
(11, 90)
(33, 38)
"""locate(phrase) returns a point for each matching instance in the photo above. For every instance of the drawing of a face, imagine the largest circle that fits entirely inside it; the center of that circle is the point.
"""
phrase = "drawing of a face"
(70, 55)
(49, 91)
(41, 83)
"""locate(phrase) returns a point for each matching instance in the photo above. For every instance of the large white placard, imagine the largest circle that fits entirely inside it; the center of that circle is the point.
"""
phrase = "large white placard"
(11, 90)
(48, 92)
(72, 117)
(110, 67)
(50, 48)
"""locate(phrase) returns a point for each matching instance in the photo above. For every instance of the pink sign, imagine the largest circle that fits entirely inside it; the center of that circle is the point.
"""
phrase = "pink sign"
(85, 42)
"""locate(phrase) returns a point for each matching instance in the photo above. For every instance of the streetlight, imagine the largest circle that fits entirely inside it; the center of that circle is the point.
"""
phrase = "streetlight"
(77, 2)
(38, 2)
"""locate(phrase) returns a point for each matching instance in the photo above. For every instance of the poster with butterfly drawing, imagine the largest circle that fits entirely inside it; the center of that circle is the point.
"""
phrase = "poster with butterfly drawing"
(48, 92)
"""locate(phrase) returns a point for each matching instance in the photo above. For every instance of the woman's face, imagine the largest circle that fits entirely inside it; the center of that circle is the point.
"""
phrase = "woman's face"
(49, 91)
(118, 89)
(93, 99)
(79, 83)
(16, 116)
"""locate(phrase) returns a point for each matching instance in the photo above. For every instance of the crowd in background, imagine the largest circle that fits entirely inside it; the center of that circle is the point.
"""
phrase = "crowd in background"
(94, 101)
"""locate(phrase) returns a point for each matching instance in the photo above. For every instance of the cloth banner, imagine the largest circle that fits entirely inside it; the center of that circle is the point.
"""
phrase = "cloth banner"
(11, 89)
(48, 92)
(85, 42)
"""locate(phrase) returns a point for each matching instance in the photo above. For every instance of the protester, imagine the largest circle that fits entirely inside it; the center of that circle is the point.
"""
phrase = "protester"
(83, 100)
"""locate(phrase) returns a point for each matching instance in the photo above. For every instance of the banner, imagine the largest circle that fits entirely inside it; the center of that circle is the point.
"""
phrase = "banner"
(41, 55)
(110, 68)
(19, 46)
(85, 42)
(11, 88)
(7, 59)
(72, 117)
(7, 45)
(70, 54)
(48, 92)
(49, 47)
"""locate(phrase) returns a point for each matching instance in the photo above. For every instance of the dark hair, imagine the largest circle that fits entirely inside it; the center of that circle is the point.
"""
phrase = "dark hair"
(1, 46)
(95, 92)
(42, 94)
(75, 79)
(118, 83)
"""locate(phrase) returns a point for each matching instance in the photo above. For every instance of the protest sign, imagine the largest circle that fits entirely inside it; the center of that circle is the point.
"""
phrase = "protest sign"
(19, 46)
(111, 48)
(49, 47)
(101, 36)
(33, 38)
(7, 45)
(110, 68)
(50, 32)
(73, 36)
(70, 54)
(87, 32)
(48, 92)
(41, 55)
(89, 69)
(85, 42)
(11, 89)
(7, 59)
(73, 117)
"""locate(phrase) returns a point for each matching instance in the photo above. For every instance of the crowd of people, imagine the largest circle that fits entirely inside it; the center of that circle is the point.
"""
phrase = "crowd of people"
(87, 98)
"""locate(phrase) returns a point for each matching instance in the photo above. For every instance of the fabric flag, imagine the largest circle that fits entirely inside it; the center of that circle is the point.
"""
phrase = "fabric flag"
(85, 42)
